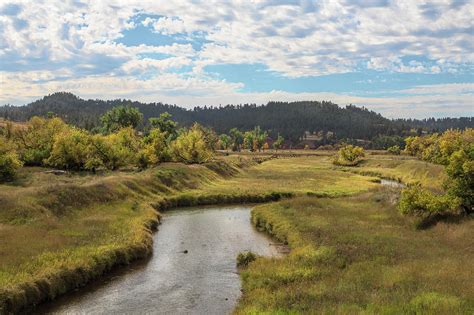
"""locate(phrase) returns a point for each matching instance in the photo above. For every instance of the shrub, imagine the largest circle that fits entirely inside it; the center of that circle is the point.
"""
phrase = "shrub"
(244, 259)
(349, 155)
(9, 161)
(421, 202)
(394, 150)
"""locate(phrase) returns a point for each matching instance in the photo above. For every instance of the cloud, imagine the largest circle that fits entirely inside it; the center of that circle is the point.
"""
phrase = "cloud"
(291, 38)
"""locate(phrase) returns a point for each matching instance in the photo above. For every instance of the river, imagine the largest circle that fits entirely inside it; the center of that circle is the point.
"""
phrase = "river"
(192, 270)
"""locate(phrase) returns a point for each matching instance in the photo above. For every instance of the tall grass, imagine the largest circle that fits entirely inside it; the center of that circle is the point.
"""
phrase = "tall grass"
(357, 255)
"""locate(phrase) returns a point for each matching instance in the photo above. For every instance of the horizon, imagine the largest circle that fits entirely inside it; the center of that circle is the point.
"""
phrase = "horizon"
(191, 108)
(210, 54)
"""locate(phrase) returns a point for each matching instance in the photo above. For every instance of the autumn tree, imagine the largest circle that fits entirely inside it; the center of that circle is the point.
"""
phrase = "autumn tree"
(191, 146)
(9, 161)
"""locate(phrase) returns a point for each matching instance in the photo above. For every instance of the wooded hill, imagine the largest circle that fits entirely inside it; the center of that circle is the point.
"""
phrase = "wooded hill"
(291, 120)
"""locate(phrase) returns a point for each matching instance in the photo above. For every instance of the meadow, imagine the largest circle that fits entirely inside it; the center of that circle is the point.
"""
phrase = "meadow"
(59, 232)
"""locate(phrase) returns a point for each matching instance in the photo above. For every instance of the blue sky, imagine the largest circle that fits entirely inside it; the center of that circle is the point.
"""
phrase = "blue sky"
(399, 58)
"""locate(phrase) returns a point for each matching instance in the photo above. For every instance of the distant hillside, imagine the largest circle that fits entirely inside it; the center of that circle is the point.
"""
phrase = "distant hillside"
(291, 120)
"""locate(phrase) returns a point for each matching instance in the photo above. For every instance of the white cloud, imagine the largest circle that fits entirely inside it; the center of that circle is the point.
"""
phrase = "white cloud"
(62, 45)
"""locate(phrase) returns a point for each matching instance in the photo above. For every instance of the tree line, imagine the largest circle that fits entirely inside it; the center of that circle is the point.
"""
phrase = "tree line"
(117, 142)
(288, 119)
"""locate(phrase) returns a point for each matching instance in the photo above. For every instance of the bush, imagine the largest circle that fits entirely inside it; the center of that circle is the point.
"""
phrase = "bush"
(421, 202)
(349, 155)
(394, 150)
(244, 259)
(9, 161)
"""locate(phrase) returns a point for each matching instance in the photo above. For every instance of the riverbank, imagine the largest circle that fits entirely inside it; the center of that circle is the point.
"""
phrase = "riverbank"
(60, 232)
(192, 270)
(357, 254)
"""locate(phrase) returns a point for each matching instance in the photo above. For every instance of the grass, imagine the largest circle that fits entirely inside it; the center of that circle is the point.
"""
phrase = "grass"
(300, 176)
(54, 228)
(403, 169)
(60, 232)
(357, 255)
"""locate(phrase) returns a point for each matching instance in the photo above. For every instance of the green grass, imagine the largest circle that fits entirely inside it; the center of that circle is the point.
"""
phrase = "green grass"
(357, 255)
(300, 175)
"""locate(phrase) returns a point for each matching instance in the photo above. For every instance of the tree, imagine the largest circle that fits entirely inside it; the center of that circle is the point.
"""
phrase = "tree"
(70, 149)
(249, 141)
(349, 155)
(255, 139)
(115, 150)
(9, 161)
(237, 139)
(36, 141)
(455, 150)
(224, 141)
(394, 150)
(191, 146)
(420, 202)
(121, 117)
(278, 142)
(155, 147)
(165, 124)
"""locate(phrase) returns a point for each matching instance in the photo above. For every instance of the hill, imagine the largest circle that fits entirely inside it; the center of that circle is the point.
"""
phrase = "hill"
(290, 119)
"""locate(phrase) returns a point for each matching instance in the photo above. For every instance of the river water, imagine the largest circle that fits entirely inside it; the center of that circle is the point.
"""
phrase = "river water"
(202, 281)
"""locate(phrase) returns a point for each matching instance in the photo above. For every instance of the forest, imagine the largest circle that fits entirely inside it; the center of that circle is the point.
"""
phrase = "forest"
(290, 120)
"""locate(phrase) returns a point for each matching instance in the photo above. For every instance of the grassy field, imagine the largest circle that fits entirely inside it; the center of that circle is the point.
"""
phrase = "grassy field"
(357, 255)
(58, 232)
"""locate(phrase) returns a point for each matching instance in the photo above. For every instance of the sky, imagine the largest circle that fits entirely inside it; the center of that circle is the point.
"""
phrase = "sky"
(401, 58)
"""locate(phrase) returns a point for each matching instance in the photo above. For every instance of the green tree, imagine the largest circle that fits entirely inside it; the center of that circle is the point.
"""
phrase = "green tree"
(121, 117)
(249, 141)
(115, 150)
(420, 202)
(224, 142)
(165, 124)
(237, 139)
(278, 142)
